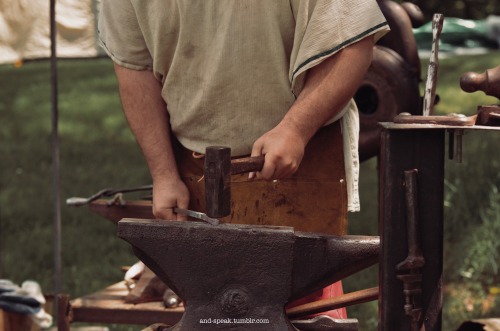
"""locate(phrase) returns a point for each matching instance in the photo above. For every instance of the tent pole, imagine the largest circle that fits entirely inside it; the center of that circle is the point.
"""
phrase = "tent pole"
(55, 154)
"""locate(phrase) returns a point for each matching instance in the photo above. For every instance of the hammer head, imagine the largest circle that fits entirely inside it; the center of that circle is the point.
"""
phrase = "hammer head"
(218, 181)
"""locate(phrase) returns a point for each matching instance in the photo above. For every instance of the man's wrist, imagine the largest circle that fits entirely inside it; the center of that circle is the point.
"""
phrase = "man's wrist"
(301, 128)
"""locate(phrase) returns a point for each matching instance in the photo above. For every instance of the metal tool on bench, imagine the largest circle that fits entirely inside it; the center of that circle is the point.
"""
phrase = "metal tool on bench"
(230, 273)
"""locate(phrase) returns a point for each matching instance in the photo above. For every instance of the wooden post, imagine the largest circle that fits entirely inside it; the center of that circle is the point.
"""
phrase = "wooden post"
(63, 312)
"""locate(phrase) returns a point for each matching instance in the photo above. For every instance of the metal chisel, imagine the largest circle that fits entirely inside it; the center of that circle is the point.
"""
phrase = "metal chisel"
(196, 214)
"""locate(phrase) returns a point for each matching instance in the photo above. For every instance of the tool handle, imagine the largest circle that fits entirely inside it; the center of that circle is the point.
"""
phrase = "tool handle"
(247, 164)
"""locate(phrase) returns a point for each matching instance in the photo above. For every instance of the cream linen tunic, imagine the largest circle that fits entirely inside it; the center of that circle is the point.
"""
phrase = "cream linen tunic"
(230, 69)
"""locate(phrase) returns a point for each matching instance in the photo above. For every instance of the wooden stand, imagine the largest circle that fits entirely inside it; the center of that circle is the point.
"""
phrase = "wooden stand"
(15, 321)
(108, 306)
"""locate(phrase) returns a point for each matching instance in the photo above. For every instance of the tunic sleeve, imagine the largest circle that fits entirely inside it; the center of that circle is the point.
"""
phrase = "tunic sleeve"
(323, 27)
(121, 37)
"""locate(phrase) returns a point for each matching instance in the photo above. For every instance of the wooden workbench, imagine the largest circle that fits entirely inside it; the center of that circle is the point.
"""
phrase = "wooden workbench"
(107, 306)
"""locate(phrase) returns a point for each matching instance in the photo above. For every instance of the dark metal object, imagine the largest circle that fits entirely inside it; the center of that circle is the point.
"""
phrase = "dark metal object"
(412, 276)
(170, 299)
(218, 170)
(239, 271)
(455, 134)
(451, 144)
(415, 258)
(388, 88)
(488, 82)
(401, 38)
(414, 13)
(488, 115)
(411, 147)
(459, 135)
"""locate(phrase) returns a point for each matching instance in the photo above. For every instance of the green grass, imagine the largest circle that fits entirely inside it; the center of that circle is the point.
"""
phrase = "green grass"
(452, 98)
(98, 151)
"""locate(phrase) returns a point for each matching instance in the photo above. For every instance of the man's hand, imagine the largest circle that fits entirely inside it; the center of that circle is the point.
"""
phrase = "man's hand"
(168, 194)
(283, 148)
(148, 118)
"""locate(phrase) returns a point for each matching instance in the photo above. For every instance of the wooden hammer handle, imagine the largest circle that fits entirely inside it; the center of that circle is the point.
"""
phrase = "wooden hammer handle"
(247, 164)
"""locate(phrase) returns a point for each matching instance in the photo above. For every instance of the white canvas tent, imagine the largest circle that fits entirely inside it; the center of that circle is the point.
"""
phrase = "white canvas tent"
(25, 29)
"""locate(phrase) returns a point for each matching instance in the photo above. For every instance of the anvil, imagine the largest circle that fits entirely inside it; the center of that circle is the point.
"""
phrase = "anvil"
(239, 277)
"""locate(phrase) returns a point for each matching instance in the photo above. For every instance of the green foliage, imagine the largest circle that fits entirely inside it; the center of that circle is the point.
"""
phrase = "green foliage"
(472, 228)
(469, 9)
(452, 98)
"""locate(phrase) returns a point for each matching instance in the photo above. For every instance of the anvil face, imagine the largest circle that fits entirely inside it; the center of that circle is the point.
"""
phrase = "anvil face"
(232, 273)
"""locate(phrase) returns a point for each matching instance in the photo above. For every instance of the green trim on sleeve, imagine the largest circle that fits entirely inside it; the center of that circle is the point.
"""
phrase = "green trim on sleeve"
(339, 46)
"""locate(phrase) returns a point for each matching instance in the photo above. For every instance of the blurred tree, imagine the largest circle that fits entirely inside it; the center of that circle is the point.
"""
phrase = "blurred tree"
(468, 9)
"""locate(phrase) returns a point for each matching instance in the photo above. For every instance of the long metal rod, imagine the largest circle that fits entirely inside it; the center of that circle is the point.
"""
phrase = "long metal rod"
(344, 300)
(55, 153)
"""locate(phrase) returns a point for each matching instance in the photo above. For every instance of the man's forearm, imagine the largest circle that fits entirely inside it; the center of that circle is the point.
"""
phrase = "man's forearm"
(148, 119)
(328, 87)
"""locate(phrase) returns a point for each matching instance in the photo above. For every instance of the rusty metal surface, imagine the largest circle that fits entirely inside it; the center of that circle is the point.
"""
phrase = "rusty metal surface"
(488, 115)
(320, 260)
(239, 271)
(398, 126)
(423, 150)
(451, 120)
(410, 270)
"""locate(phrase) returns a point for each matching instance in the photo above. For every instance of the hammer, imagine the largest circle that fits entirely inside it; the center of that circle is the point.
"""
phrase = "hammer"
(218, 170)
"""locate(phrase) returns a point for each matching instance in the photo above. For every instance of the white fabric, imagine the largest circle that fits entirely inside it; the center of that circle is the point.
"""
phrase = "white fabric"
(25, 29)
